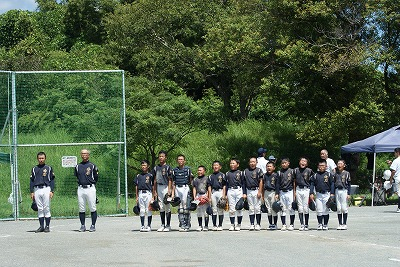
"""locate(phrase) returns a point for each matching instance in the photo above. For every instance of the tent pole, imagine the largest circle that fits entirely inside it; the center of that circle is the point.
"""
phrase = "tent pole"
(373, 181)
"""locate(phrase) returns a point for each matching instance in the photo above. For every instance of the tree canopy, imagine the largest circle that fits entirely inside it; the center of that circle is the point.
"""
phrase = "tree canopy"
(330, 66)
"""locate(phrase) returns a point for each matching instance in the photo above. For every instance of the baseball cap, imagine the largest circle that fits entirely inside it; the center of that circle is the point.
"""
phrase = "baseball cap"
(261, 150)
(271, 157)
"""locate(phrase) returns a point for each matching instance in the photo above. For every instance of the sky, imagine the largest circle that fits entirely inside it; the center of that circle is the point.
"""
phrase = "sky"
(6, 5)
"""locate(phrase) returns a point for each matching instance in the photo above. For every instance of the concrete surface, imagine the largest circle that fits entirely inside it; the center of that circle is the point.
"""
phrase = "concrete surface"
(372, 239)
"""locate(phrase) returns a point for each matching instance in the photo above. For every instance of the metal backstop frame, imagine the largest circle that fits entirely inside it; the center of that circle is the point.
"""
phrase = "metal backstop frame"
(11, 124)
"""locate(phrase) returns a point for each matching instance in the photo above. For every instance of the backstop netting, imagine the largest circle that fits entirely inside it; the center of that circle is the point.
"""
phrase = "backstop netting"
(61, 113)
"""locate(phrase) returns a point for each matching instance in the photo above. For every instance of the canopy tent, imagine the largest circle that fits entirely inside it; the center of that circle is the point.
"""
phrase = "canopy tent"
(385, 141)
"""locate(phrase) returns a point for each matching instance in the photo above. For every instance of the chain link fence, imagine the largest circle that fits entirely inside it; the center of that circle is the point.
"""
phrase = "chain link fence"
(60, 113)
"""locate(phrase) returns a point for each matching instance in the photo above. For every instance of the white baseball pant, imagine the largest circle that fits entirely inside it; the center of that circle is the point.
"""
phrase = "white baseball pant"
(254, 202)
(302, 197)
(320, 202)
(42, 198)
(182, 192)
(162, 190)
(215, 196)
(286, 200)
(87, 195)
(202, 209)
(145, 197)
(341, 200)
(233, 197)
(269, 198)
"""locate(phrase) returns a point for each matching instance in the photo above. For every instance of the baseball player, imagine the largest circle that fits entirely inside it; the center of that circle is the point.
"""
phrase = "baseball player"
(234, 184)
(302, 179)
(216, 185)
(182, 177)
(42, 190)
(322, 182)
(284, 187)
(253, 180)
(330, 164)
(269, 195)
(200, 193)
(144, 194)
(395, 175)
(163, 186)
(342, 183)
(87, 175)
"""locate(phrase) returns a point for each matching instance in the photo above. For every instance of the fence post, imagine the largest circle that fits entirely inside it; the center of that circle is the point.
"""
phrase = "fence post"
(14, 144)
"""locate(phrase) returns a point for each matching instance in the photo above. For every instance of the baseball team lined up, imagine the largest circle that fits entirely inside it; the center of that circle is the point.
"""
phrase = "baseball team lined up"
(260, 187)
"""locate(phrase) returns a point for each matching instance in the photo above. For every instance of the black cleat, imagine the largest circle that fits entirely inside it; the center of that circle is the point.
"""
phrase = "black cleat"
(39, 230)
(47, 229)
(92, 228)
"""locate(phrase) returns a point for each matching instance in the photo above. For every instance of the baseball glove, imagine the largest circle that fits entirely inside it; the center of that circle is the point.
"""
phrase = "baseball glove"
(203, 200)
(277, 206)
(155, 206)
(175, 202)
(222, 203)
(165, 199)
(294, 205)
(193, 205)
(331, 204)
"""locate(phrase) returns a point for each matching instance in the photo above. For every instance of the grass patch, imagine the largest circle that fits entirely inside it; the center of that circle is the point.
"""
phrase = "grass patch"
(65, 201)
(392, 200)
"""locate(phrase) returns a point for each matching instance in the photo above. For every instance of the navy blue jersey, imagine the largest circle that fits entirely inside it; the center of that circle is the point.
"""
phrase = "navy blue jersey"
(42, 175)
(234, 178)
(302, 177)
(216, 181)
(200, 183)
(86, 173)
(342, 180)
(181, 176)
(252, 178)
(285, 180)
(144, 181)
(162, 174)
(270, 180)
(322, 182)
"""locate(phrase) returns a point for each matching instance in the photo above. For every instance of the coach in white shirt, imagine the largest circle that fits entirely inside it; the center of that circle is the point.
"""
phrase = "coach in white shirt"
(261, 161)
(331, 166)
(395, 168)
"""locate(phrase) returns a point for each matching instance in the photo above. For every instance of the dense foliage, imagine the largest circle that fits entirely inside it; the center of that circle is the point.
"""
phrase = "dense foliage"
(328, 70)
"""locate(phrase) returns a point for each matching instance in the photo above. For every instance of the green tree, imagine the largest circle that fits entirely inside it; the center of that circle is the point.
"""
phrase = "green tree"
(15, 26)
(198, 45)
(29, 47)
(319, 55)
(50, 21)
(236, 55)
(160, 116)
(323, 74)
(48, 5)
(84, 20)
(383, 35)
